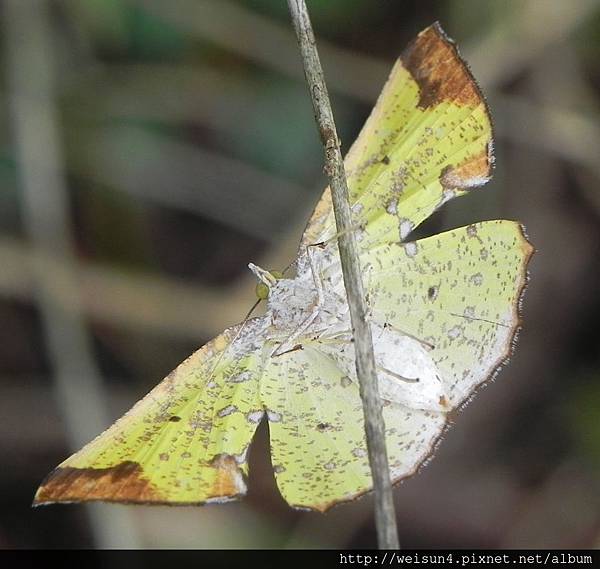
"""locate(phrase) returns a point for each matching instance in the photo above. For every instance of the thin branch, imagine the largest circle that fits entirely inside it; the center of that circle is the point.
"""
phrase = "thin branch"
(385, 518)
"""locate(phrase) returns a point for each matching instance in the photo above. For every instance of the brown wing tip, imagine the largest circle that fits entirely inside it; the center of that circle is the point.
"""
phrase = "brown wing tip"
(121, 483)
(435, 63)
(125, 484)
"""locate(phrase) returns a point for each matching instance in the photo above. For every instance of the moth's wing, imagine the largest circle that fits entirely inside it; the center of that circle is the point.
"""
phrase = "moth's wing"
(428, 139)
(316, 427)
(185, 442)
(459, 291)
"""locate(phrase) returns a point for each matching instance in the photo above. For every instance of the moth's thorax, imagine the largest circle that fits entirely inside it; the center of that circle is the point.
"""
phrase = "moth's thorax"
(294, 301)
(290, 301)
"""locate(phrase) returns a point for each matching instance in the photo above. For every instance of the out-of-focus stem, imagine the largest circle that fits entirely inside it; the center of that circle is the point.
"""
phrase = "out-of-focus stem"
(45, 209)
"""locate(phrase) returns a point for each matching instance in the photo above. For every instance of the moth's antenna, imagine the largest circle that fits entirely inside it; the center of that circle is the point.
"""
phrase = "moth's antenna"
(254, 306)
(289, 266)
(265, 277)
(243, 323)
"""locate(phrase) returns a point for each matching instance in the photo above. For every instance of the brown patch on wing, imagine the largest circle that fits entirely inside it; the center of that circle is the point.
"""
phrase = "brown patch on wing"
(474, 171)
(228, 478)
(435, 64)
(121, 483)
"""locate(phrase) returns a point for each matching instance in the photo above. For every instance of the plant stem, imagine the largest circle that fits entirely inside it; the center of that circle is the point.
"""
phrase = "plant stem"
(385, 518)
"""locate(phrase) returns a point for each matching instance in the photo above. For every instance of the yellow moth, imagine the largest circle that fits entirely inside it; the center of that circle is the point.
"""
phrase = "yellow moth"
(443, 312)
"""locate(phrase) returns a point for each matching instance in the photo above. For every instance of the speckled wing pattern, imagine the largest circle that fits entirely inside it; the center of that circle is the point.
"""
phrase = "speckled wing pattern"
(318, 446)
(453, 299)
(185, 442)
(427, 140)
(459, 292)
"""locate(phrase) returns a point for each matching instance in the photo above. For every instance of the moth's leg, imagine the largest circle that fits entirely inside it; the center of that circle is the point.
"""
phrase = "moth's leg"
(425, 344)
(277, 352)
(397, 375)
(287, 345)
(315, 273)
(289, 342)
(353, 227)
(319, 281)
(334, 340)
(331, 340)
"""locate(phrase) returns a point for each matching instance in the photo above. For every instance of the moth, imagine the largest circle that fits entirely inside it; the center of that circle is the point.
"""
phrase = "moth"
(443, 311)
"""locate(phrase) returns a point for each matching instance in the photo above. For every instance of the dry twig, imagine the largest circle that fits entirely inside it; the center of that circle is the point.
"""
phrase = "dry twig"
(385, 518)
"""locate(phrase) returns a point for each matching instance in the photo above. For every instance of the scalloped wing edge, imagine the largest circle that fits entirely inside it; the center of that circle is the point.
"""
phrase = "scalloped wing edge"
(528, 251)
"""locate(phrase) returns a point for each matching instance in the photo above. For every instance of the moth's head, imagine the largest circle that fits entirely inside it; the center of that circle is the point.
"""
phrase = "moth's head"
(266, 280)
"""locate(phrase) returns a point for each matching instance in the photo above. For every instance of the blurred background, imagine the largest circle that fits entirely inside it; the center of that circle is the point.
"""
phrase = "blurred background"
(150, 149)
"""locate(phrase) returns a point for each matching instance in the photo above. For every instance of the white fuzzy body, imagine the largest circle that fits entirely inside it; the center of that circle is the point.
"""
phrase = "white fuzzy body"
(310, 310)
